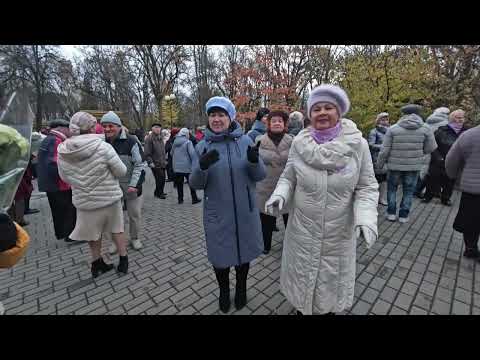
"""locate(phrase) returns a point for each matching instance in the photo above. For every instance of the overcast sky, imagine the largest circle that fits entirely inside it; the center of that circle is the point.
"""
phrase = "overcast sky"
(69, 51)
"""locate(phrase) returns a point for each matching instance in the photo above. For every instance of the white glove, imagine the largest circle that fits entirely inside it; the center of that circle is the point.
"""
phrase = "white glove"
(369, 236)
(152, 165)
(274, 204)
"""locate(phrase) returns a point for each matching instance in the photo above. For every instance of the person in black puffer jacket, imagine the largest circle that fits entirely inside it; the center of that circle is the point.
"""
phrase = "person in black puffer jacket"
(445, 136)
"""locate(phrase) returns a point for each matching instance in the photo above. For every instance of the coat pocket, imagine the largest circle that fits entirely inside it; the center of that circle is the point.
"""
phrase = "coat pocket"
(250, 205)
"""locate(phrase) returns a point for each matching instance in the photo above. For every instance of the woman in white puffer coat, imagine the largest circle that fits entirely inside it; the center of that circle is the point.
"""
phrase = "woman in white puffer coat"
(330, 186)
(92, 167)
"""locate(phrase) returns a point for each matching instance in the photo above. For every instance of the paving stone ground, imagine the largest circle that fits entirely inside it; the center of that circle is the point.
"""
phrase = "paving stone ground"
(415, 268)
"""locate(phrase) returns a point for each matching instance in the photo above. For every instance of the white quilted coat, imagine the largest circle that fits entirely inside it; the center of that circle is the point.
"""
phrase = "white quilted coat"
(92, 167)
(330, 188)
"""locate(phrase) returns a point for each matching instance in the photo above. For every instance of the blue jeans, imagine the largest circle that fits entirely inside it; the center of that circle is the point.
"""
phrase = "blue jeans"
(409, 182)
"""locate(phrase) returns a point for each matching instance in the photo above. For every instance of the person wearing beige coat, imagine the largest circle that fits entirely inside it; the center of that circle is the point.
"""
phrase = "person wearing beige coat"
(329, 184)
(93, 168)
(274, 147)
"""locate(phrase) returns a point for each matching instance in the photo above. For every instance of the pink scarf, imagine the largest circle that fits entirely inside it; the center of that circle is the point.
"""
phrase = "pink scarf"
(323, 136)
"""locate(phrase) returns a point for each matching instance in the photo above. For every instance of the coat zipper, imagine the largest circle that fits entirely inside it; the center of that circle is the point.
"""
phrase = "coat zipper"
(234, 203)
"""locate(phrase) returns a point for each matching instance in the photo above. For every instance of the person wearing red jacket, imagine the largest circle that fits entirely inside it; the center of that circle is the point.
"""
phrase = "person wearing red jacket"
(24, 191)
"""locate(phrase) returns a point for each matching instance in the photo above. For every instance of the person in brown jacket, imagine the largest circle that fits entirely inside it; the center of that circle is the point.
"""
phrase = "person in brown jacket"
(463, 161)
(155, 156)
(274, 149)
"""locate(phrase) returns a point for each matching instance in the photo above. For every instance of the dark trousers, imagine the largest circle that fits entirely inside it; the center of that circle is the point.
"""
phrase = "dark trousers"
(64, 213)
(471, 240)
(159, 175)
(241, 274)
(268, 224)
(19, 211)
(27, 203)
(170, 173)
(442, 185)
(178, 179)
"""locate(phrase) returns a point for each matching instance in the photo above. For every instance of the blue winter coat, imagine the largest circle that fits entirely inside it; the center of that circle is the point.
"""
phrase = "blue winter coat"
(375, 141)
(258, 129)
(183, 153)
(231, 218)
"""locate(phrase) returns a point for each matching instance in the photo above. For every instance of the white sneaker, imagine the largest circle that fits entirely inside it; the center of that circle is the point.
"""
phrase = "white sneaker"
(403, 220)
(112, 249)
(391, 217)
(137, 244)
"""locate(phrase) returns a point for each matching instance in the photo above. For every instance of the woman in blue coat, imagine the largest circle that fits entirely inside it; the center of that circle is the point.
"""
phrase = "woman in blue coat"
(226, 167)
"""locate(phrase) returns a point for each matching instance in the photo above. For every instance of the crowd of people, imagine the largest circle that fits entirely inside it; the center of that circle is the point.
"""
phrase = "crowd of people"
(317, 171)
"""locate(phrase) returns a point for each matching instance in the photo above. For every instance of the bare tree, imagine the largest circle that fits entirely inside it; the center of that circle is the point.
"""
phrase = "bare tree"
(31, 66)
(162, 65)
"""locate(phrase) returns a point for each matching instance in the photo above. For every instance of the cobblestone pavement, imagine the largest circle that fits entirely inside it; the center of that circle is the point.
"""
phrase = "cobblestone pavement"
(415, 268)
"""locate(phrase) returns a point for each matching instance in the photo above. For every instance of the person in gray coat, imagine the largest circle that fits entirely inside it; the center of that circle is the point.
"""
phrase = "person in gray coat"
(183, 153)
(155, 156)
(227, 166)
(404, 147)
(463, 160)
(295, 123)
(375, 141)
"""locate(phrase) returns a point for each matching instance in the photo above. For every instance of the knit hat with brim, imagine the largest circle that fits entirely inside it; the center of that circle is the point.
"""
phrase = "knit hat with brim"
(331, 94)
(222, 103)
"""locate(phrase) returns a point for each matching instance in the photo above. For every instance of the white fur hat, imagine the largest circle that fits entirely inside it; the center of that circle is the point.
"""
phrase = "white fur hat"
(382, 115)
(183, 132)
(329, 93)
(442, 110)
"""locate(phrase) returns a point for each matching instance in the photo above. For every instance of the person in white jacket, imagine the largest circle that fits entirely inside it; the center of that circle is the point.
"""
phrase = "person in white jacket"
(330, 186)
(93, 168)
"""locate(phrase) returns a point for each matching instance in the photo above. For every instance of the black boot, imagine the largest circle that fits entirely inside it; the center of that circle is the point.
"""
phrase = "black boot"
(99, 267)
(123, 264)
(471, 246)
(224, 285)
(241, 273)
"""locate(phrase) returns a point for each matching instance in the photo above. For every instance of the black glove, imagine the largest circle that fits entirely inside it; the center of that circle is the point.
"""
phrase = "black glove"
(208, 159)
(252, 153)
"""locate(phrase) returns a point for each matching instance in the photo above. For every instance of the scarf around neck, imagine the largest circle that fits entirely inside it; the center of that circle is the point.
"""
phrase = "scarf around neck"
(276, 138)
(327, 135)
(455, 127)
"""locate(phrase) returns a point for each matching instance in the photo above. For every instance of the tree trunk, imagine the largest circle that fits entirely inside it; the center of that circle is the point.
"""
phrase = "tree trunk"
(39, 111)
